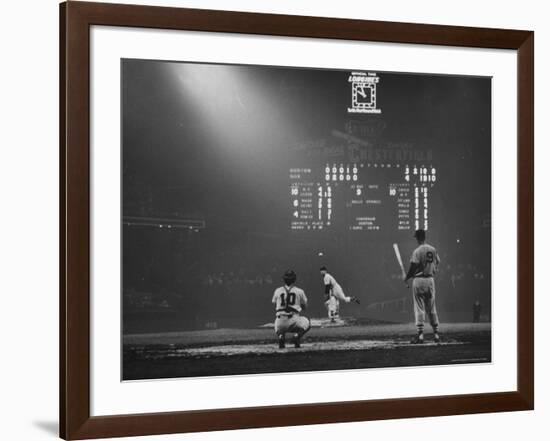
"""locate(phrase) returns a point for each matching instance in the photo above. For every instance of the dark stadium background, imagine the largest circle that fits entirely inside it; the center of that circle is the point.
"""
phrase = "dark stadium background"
(212, 145)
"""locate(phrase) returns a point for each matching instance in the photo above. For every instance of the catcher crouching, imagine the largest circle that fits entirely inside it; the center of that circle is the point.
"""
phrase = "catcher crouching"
(289, 302)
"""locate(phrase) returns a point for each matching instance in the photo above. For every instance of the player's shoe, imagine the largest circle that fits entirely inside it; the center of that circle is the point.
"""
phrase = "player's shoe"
(296, 341)
(437, 339)
(356, 300)
(418, 339)
(281, 342)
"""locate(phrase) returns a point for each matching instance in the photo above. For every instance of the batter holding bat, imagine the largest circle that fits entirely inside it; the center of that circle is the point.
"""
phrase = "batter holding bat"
(422, 269)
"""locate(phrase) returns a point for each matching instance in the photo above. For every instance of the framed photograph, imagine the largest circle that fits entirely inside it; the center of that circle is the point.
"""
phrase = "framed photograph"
(272, 220)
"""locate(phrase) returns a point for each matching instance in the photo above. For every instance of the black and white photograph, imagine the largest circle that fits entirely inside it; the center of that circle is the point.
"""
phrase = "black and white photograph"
(244, 221)
(285, 219)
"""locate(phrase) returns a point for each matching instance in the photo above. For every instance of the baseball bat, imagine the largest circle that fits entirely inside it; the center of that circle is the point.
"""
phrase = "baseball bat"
(399, 260)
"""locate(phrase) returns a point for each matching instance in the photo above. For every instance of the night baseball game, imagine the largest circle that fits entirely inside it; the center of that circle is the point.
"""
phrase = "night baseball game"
(295, 219)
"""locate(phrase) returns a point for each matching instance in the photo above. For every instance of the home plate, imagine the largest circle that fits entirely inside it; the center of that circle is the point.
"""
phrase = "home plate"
(272, 348)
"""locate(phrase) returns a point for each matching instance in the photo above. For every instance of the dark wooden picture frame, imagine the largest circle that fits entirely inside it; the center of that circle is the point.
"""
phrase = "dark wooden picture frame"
(76, 18)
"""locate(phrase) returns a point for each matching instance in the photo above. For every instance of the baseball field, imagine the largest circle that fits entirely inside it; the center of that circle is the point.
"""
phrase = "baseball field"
(326, 347)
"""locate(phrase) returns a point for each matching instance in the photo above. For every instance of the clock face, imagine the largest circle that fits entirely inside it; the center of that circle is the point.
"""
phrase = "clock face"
(363, 95)
(363, 92)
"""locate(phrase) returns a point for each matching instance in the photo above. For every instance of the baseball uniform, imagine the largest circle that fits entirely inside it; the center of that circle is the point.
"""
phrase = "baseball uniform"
(423, 286)
(336, 289)
(288, 302)
(333, 307)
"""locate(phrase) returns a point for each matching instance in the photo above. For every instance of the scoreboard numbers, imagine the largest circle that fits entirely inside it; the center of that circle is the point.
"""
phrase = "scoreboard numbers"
(361, 196)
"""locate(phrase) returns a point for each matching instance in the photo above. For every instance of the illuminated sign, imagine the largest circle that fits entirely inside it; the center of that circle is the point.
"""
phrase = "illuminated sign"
(363, 92)
(361, 196)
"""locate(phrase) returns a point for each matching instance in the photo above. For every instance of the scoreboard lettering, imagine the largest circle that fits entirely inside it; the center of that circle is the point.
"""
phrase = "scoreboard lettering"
(362, 196)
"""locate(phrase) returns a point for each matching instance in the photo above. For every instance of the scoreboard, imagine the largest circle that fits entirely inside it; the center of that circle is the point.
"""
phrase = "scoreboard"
(362, 196)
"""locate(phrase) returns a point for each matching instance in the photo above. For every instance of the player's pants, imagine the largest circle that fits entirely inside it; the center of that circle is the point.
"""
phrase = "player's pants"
(424, 302)
(339, 294)
(333, 306)
(294, 323)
